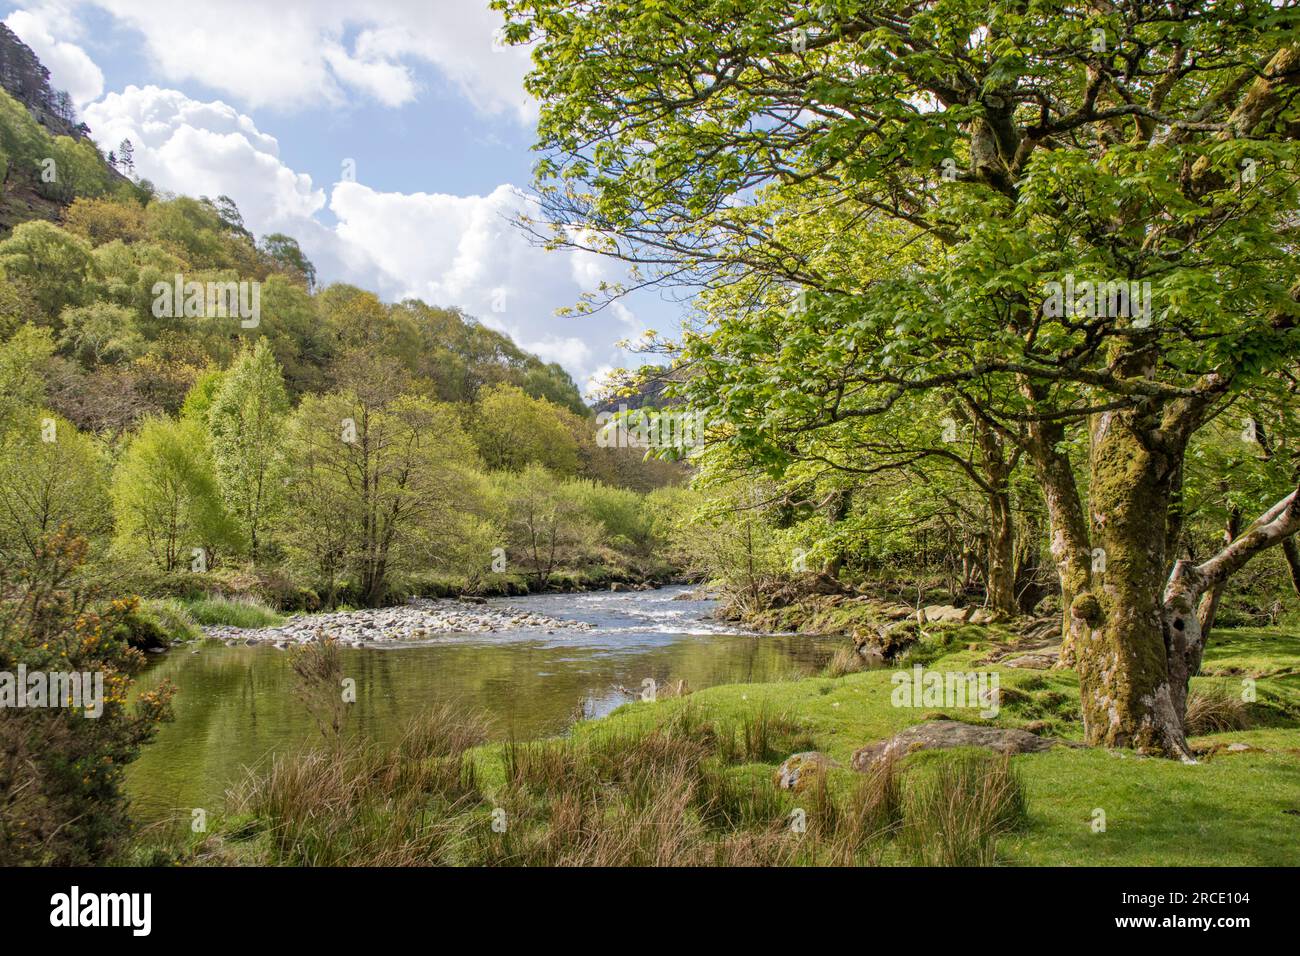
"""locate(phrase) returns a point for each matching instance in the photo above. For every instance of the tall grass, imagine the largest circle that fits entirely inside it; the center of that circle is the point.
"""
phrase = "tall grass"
(671, 795)
(846, 660)
(954, 815)
(231, 612)
(362, 805)
(1213, 709)
(173, 617)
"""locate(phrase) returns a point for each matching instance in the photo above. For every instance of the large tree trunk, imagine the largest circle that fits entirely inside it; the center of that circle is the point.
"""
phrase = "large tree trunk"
(1138, 640)
(1132, 682)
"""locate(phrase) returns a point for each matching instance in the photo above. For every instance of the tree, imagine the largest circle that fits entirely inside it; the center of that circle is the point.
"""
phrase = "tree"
(246, 423)
(544, 521)
(126, 156)
(165, 497)
(62, 799)
(56, 265)
(55, 480)
(1004, 153)
(285, 252)
(100, 333)
(379, 481)
(22, 386)
(99, 221)
(513, 430)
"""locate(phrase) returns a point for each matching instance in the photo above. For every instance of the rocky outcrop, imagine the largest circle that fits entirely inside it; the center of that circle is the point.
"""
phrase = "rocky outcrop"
(947, 734)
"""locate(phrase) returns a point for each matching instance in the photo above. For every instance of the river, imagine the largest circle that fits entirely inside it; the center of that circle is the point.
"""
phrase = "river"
(235, 706)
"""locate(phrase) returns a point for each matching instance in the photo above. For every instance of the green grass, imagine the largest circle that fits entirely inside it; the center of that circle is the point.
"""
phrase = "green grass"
(244, 612)
(1229, 809)
(699, 772)
(173, 617)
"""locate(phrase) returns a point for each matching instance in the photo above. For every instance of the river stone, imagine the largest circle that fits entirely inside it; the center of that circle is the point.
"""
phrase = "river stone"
(797, 772)
(947, 734)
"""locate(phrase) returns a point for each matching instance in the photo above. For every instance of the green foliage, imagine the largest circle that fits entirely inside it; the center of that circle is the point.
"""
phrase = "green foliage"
(61, 793)
(165, 498)
(55, 265)
(544, 522)
(246, 424)
(100, 334)
(514, 430)
(55, 479)
(379, 481)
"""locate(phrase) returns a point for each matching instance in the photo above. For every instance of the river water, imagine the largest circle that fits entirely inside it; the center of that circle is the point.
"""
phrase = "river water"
(235, 706)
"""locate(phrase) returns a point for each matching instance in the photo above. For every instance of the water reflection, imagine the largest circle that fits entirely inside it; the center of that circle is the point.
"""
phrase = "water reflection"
(236, 705)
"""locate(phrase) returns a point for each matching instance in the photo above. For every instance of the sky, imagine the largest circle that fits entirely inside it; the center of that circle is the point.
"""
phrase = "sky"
(391, 138)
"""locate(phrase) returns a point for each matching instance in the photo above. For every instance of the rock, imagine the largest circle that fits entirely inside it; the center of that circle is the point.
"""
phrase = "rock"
(1036, 662)
(619, 586)
(797, 772)
(947, 734)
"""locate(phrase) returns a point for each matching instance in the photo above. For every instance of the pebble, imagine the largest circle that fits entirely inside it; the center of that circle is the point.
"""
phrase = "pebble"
(414, 621)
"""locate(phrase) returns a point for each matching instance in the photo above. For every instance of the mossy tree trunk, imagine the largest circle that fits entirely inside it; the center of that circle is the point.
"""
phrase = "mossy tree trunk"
(1132, 690)
(1136, 634)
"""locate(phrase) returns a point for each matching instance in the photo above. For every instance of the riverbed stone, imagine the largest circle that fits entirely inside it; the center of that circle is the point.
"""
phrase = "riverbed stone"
(419, 619)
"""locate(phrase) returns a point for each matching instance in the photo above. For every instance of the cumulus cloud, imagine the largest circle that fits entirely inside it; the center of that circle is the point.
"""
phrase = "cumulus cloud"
(293, 53)
(205, 149)
(71, 68)
(442, 248)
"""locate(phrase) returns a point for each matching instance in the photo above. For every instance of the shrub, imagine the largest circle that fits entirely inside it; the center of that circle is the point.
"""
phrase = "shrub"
(61, 773)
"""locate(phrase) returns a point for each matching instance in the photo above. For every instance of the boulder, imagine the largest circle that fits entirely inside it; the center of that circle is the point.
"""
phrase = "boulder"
(947, 734)
(1038, 661)
(950, 614)
(799, 771)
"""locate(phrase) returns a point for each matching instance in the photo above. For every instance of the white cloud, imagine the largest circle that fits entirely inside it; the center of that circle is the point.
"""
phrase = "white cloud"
(207, 149)
(288, 54)
(70, 67)
(444, 249)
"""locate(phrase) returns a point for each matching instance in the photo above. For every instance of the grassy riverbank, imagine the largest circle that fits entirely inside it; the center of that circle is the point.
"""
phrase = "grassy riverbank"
(691, 780)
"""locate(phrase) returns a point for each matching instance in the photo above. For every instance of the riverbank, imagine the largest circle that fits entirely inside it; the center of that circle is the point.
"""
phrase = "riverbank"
(707, 778)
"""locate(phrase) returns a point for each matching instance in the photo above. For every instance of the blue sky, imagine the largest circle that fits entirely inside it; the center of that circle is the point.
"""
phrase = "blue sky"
(267, 102)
